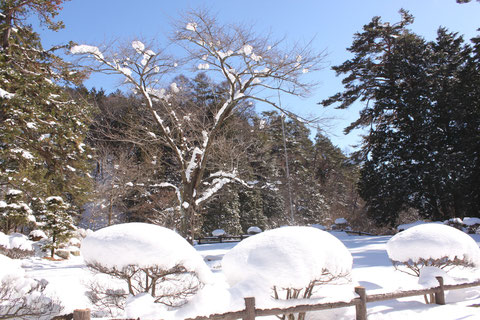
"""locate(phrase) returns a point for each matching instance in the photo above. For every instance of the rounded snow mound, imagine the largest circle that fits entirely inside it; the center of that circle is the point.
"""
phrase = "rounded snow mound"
(433, 241)
(144, 245)
(289, 257)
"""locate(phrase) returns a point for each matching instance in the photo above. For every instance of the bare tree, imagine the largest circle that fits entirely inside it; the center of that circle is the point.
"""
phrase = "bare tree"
(253, 68)
(170, 287)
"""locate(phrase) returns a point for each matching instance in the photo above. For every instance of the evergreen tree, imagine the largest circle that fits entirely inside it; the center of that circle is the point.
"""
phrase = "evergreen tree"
(251, 211)
(42, 129)
(422, 147)
(15, 212)
(223, 212)
(57, 222)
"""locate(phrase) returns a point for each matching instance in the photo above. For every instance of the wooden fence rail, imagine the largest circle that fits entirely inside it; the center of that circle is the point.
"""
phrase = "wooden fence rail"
(221, 239)
(251, 312)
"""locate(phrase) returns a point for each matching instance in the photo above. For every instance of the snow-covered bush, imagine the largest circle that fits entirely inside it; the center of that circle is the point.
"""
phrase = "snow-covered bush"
(22, 297)
(218, 232)
(471, 224)
(254, 230)
(456, 223)
(37, 235)
(340, 224)
(15, 246)
(148, 259)
(432, 245)
(289, 262)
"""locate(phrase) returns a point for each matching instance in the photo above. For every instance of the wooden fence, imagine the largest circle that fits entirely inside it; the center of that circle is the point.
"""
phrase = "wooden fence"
(221, 239)
(226, 238)
(251, 312)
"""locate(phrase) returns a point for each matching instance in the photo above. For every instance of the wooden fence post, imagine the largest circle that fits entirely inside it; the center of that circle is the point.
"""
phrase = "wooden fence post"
(81, 314)
(440, 294)
(361, 306)
(250, 309)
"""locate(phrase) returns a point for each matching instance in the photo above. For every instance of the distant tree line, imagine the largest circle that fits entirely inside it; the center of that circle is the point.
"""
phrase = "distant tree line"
(128, 169)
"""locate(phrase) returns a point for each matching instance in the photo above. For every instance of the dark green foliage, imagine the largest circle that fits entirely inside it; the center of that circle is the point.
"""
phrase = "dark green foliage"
(423, 120)
(14, 212)
(42, 128)
(57, 222)
(223, 212)
(251, 210)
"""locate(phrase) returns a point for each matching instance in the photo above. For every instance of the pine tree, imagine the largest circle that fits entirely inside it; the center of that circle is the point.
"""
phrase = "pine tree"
(57, 222)
(251, 211)
(223, 212)
(15, 212)
(42, 128)
(421, 150)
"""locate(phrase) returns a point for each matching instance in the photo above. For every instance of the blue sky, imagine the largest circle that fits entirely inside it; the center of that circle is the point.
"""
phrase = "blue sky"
(331, 25)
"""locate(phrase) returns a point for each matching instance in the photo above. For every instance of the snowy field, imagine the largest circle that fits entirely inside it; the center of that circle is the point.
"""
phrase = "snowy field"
(371, 269)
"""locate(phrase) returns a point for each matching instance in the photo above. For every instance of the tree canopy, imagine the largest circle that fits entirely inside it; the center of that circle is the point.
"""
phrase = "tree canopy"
(421, 111)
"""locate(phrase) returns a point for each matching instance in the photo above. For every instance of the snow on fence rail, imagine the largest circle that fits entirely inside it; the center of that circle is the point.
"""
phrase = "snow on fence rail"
(251, 312)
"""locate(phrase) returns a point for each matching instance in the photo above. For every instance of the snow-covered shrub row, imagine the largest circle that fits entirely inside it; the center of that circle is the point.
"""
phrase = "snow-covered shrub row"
(147, 258)
(22, 297)
(434, 245)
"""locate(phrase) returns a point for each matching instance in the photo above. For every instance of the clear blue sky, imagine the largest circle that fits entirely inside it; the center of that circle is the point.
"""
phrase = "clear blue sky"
(330, 23)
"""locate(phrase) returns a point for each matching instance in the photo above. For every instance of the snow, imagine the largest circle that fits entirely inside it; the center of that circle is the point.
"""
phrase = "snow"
(371, 268)
(428, 276)
(9, 267)
(26, 154)
(238, 95)
(13, 192)
(341, 221)
(246, 50)
(223, 55)
(433, 241)
(54, 198)
(16, 240)
(138, 46)
(255, 57)
(142, 306)
(37, 234)
(174, 87)
(471, 221)
(203, 66)
(193, 162)
(144, 245)
(254, 230)
(289, 257)
(218, 232)
(6, 95)
(406, 226)
(83, 49)
(191, 26)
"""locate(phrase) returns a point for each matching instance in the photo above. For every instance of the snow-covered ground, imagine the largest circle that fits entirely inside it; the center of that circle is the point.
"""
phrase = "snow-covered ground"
(371, 269)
